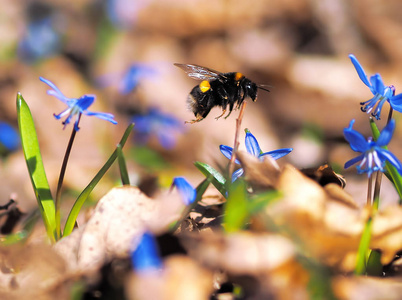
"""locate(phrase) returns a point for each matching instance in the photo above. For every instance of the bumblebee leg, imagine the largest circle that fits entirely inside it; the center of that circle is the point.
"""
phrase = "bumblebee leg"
(231, 104)
(230, 111)
(198, 119)
(223, 112)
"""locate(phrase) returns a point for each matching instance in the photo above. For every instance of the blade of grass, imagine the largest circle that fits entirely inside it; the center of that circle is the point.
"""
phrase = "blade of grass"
(236, 213)
(122, 166)
(374, 266)
(33, 158)
(392, 173)
(72, 217)
(217, 179)
(363, 248)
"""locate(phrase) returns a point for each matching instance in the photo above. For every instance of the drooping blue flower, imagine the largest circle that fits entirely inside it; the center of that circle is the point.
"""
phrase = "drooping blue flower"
(9, 137)
(155, 123)
(41, 40)
(254, 149)
(373, 155)
(186, 190)
(381, 92)
(128, 80)
(133, 76)
(76, 106)
(146, 256)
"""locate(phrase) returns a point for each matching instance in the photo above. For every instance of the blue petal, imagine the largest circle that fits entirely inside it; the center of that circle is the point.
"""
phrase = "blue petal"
(396, 102)
(146, 256)
(133, 76)
(252, 145)
(186, 190)
(227, 152)
(377, 84)
(276, 154)
(387, 155)
(85, 101)
(360, 70)
(9, 137)
(353, 161)
(356, 140)
(56, 93)
(236, 174)
(386, 134)
(100, 115)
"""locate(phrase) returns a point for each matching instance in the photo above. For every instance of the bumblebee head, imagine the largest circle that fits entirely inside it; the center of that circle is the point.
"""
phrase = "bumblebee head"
(251, 89)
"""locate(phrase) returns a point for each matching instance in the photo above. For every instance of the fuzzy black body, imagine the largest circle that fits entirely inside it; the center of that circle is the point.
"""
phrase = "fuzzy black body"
(217, 89)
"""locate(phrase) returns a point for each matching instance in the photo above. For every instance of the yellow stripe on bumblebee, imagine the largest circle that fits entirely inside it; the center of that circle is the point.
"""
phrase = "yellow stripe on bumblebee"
(205, 86)
(238, 76)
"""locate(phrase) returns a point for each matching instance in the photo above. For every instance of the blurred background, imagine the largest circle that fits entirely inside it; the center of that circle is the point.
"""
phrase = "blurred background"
(123, 52)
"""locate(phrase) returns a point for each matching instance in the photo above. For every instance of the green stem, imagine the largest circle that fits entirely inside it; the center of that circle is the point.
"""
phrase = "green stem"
(369, 189)
(61, 178)
(377, 188)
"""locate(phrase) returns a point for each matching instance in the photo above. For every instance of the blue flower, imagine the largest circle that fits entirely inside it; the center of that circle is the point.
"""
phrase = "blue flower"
(381, 92)
(132, 77)
(146, 255)
(76, 107)
(155, 123)
(9, 137)
(373, 155)
(127, 81)
(254, 149)
(186, 190)
(40, 41)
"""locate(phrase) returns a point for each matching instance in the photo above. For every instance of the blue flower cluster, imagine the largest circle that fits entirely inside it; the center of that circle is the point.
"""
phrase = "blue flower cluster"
(254, 149)
(373, 154)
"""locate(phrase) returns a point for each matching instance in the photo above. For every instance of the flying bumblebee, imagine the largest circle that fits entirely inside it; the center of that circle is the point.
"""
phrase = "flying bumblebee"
(217, 89)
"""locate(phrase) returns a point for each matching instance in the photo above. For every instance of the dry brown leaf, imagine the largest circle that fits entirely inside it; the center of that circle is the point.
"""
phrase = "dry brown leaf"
(261, 174)
(327, 229)
(116, 225)
(367, 288)
(387, 232)
(32, 272)
(240, 253)
(328, 224)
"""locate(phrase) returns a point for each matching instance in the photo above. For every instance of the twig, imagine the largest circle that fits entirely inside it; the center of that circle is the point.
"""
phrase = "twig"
(236, 140)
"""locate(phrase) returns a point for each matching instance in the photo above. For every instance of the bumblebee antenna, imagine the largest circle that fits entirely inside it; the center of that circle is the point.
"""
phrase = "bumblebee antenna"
(264, 87)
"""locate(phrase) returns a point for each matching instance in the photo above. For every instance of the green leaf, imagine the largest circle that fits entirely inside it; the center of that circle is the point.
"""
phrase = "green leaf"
(236, 207)
(217, 178)
(72, 217)
(122, 166)
(363, 248)
(374, 266)
(33, 158)
(391, 172)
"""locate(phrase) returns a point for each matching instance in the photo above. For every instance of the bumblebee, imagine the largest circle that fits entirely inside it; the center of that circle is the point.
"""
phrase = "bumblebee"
(217, 89)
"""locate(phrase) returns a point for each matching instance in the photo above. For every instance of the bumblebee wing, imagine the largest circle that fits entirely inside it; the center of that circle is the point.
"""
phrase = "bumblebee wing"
(200, 73)
(264, 87)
